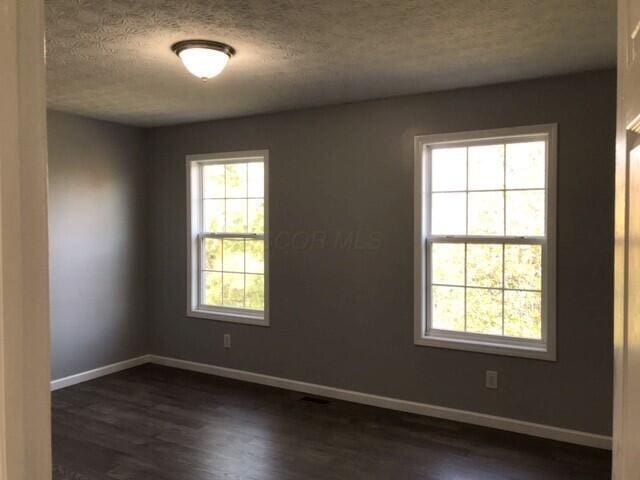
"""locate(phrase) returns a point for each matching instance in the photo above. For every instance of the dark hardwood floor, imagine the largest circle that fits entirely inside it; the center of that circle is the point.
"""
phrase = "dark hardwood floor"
(158, 423)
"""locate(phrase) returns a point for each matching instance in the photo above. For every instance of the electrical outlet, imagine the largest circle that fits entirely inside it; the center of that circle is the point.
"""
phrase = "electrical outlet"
(227, 340)
(491, 379)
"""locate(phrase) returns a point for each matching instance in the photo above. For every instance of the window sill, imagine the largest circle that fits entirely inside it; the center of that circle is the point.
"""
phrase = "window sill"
(245, 318)
(542, 352)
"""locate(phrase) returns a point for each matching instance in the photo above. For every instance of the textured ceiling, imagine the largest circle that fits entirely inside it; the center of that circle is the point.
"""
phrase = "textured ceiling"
(110, 59)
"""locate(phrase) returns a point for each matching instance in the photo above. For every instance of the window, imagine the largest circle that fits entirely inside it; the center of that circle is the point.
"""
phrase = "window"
(485, 241)
(228, 254)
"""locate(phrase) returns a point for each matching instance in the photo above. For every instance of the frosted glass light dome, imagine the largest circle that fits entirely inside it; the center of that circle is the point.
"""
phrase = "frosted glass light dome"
(203, 58)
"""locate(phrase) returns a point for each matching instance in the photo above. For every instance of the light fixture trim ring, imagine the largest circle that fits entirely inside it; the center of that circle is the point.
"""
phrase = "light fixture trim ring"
(210, 44)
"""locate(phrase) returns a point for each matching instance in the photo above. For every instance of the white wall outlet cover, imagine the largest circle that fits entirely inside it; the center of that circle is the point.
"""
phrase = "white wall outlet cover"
(491, 379)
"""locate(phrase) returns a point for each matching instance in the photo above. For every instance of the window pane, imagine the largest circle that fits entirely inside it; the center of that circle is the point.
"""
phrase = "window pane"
(448, 214)
(525, 165)
(254, 298)
(447, 263)
(484, 311)
(522, 314)
(484, 265)
(212, 288)
(448, 308)
(486, 167)
(213, 181)
(523, 267)
(233, 255)
(256, 216)
(486, 213)
(212, 253)
(236, 180)
(232, 202)
(488, 190)
(254, 256)
(213, 215)
(525, 213)
(448, 169)
(236, 216)
(233, 290)
(256, 179)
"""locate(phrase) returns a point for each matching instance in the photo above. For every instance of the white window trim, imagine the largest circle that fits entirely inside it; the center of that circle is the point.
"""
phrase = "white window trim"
(194, 309)
(498, 345)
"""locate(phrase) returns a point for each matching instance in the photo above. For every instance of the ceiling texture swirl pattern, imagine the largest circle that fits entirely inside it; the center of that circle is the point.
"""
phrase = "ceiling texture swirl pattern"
(111, 59)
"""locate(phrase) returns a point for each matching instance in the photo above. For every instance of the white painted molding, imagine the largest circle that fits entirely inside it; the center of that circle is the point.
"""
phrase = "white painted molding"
(99, 372)
(25, 400)
(464, 416)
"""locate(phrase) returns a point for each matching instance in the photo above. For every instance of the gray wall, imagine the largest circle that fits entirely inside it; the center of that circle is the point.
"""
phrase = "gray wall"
(343, 316)
(97, 234)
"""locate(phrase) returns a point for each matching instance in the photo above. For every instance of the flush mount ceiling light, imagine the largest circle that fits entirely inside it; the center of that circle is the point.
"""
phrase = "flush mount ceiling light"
(203, 58)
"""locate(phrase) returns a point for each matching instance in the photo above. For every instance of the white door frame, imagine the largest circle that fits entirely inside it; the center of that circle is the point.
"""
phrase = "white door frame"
(25, 416)
(626, 418)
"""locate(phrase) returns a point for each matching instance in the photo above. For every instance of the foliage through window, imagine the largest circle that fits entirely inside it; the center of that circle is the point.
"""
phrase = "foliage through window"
(485, 242)
(228, 236)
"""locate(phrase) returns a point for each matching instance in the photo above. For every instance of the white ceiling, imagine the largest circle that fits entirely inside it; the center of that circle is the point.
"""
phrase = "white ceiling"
(110, 59)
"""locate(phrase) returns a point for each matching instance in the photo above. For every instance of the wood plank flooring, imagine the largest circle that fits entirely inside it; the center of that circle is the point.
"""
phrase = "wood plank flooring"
(159, 423)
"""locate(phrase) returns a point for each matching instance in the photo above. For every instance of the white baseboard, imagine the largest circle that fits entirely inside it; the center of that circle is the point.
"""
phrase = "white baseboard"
(464, 416)
(481, 419)
(98, 372)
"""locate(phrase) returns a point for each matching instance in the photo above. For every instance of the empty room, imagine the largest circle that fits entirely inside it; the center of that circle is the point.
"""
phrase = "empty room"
(247, 239)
